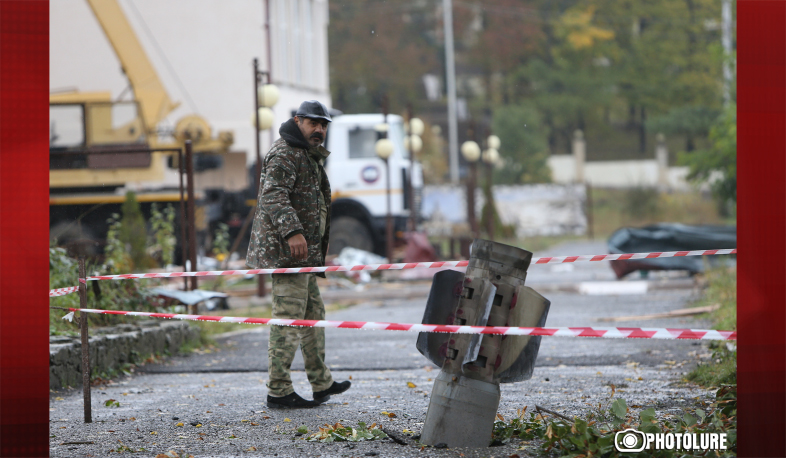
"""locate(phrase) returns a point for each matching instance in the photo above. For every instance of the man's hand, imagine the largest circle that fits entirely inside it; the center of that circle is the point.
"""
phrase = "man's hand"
(298, 246)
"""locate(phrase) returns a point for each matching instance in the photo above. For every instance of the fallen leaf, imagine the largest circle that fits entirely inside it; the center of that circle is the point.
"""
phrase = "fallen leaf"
(265, 417)
(207, 411)
(124, 394)
(179, 424)
(500, 417)
(244, 421)
(411, 385)
(350, 377)
(254, 424)
(59, 399)
(221, 404)
(132, 418)
(153, 433)
(287, 420)
(251, 449)
(198, 425)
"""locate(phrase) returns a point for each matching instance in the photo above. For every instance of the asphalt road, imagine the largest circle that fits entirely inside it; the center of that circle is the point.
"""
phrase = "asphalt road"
(224, 390)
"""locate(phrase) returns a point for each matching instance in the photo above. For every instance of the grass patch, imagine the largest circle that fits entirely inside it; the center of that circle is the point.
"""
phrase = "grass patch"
(636, 207)
(722, 290)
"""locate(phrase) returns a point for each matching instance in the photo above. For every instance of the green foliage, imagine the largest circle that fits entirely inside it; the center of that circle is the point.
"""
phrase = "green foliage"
(107, 295)
(721, 290)
(221, 242)
(642, 202)
(595, 435)
(340, 433)
(722, 370)
(163, 224)
(522, 428)
(718, 164)
(133, 232)
(111, 403)
(523, 145)
(117, 259)
(692, 121)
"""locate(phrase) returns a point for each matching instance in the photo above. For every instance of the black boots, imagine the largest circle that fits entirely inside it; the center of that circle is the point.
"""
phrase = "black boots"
(290, 401)
(294, 401)
(335, 388)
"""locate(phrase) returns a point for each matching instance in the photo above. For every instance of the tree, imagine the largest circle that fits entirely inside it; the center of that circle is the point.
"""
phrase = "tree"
(133, 232)
(524, 147)
(717, 165)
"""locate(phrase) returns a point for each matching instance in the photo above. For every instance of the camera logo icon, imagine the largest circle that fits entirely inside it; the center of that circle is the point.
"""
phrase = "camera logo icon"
(630, 440)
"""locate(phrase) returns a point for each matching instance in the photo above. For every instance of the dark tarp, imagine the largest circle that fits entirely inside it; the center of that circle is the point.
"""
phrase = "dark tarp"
(669, 237)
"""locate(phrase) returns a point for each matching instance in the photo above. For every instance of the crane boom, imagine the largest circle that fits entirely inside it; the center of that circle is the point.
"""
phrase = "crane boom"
(153, 99)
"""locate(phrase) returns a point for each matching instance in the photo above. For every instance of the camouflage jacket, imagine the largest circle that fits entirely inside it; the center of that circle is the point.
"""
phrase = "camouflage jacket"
(288, 204)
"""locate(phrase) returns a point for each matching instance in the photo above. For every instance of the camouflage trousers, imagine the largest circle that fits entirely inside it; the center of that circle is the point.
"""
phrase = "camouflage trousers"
(296, 297)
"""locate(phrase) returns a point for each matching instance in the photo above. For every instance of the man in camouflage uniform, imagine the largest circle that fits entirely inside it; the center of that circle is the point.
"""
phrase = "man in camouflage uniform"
(291, 228)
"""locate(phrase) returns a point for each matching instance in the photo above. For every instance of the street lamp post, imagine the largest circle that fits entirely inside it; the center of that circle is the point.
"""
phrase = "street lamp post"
(471, 152)
(490, 158)
(413, 143)
(266, 96)
(384, 148)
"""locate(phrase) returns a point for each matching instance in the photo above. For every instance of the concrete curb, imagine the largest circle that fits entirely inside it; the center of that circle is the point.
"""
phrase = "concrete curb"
(114, 346)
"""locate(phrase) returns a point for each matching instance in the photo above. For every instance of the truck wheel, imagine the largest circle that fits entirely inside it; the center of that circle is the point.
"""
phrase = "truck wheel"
(346, 231)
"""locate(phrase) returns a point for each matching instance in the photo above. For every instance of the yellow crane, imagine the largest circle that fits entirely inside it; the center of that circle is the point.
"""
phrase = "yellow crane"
(91, 134)
(151, 105)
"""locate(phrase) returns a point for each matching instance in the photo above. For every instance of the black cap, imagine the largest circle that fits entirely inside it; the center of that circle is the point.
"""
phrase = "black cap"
(313, 109)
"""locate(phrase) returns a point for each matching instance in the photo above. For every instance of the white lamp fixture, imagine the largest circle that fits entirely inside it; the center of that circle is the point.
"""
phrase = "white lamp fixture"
(416, 126)
(491, 156)
(383, 148)
(493, 142)
(413, 143)
(267, 95)
(470, 150)
(265, 118)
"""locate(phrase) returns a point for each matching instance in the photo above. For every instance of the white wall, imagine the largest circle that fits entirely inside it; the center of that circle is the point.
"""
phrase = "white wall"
(203, 51)
(618, 174)
(538, 209)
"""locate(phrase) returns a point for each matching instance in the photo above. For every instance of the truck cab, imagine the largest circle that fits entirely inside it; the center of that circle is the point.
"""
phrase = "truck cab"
(359, 181)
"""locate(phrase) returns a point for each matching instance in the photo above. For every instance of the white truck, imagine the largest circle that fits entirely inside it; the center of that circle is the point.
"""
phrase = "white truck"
(358, 180)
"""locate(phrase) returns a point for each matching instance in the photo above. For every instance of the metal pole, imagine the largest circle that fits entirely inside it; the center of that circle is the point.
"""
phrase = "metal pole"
(590, 219)
(473, 176)
(261, 292)
(183, 239)
(450, 71)
(411, 187)
(192, 252)
(489, 202)
(85, 342)
(389, 221)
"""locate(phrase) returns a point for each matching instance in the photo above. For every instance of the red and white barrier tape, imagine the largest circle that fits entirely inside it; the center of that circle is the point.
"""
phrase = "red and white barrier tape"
(413, 265)
(63, 291)
(606, 333)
